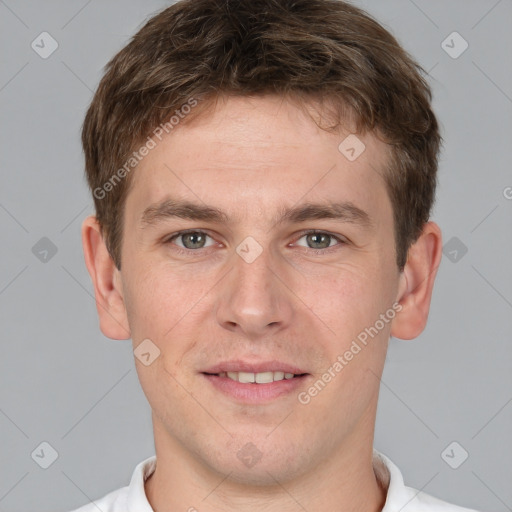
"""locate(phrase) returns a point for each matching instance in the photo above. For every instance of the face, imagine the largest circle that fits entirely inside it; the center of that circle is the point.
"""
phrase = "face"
(280, 259)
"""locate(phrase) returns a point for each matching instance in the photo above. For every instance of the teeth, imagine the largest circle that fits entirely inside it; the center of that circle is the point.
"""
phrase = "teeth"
(245, 377)
(259, 378)
(264, 377)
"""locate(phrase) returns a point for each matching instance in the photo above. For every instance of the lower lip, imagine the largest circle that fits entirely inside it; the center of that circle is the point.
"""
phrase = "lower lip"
(255, 393)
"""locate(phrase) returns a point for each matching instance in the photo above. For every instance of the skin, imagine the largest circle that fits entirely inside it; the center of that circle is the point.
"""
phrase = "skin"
(250, 158)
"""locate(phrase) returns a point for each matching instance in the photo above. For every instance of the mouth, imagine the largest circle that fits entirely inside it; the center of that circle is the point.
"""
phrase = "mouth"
(257, 378)
(255, 383)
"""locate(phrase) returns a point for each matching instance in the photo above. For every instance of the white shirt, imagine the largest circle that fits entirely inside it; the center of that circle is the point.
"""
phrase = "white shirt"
(400, 498)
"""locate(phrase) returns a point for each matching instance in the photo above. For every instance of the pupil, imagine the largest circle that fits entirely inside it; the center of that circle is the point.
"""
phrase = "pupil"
(315, 239)
(196, 240)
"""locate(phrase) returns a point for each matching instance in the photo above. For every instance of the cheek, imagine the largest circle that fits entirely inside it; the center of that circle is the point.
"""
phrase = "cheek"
(346, 300)
(148, 303)
(157, 297)
(350, 305)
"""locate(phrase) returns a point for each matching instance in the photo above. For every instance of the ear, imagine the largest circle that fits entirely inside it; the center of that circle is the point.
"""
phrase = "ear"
(417, 283)
(107, 283)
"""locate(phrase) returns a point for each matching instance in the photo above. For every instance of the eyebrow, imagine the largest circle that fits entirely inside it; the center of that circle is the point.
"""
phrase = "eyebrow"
(174, 208)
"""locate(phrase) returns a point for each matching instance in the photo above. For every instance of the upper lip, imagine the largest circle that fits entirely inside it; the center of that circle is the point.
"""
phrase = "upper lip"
(260, 367)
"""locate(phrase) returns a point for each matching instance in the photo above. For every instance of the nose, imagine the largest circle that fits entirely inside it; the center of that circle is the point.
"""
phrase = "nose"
(255, 298)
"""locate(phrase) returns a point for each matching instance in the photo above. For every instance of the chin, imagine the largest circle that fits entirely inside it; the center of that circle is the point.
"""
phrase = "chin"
(270, 465)
(263, 474)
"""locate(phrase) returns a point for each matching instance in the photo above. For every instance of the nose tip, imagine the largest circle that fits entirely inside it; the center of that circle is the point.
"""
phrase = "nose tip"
(253, 299)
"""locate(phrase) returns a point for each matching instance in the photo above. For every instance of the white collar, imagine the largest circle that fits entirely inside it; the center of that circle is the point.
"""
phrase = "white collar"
(399, 496)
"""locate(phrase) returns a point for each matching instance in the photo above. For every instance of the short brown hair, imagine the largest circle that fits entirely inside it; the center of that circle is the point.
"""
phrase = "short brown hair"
(310, 50)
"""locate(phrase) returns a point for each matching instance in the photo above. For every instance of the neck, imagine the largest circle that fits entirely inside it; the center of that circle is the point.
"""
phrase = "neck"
(346, 480)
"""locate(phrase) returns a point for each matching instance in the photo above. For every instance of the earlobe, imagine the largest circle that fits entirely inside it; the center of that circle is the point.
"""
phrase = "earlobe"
(106, 280)
(417, 283)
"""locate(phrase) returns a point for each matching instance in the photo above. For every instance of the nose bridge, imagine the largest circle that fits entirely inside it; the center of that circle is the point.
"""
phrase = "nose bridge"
(253, 297)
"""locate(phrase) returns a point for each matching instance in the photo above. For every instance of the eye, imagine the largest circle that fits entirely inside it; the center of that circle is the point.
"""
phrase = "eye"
(320, 240)
(190, 239)
(194, 240)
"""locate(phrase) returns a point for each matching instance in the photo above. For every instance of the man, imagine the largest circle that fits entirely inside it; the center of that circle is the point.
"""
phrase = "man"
(263, 173)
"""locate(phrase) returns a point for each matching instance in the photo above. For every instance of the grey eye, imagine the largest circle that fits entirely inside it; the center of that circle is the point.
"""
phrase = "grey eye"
(192, 240)
(318, 240)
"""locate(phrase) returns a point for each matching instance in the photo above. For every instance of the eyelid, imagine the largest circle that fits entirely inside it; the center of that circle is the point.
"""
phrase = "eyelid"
(172, 237)
(341, 240)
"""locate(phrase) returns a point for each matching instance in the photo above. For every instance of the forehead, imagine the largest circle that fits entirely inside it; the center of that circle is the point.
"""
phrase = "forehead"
(259, 152)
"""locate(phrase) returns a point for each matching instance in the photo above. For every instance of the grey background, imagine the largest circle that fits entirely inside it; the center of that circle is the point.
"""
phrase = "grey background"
(63, 382)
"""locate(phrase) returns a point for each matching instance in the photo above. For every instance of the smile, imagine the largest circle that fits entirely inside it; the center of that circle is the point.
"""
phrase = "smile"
(257, 378)
(254, 384)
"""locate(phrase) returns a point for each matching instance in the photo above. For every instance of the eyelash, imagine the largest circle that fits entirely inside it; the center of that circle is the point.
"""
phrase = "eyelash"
(309, 250)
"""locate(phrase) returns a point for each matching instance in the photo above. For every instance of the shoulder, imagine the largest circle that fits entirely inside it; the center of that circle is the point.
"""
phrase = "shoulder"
(419, 501)
(406, 499)
(131, 497)
(112, 502)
